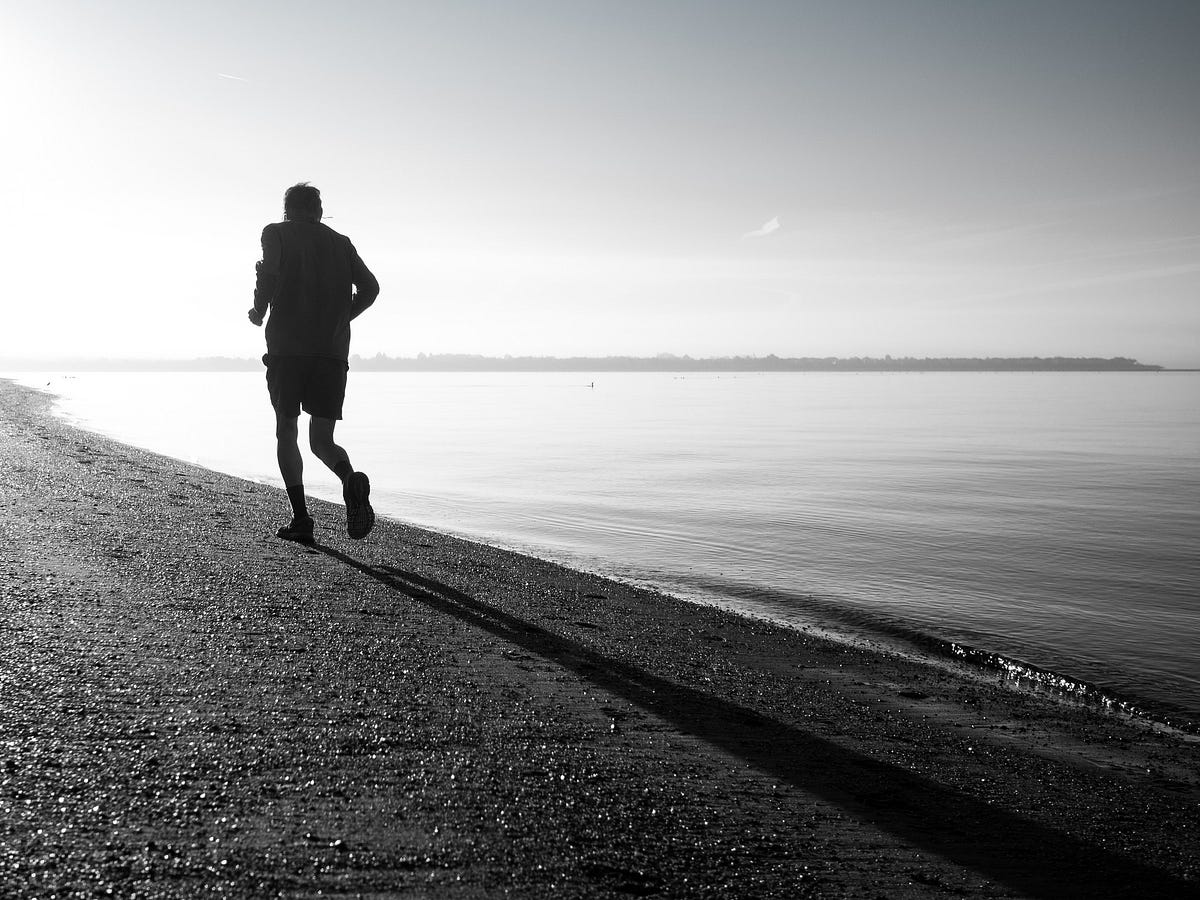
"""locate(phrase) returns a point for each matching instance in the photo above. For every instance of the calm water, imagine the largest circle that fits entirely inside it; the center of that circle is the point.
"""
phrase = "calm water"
(1052, 517)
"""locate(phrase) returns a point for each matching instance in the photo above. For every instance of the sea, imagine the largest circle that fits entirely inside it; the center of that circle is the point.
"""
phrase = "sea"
(1045, 525)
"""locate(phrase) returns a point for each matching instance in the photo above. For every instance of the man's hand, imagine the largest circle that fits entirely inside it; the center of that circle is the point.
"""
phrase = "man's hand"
(255, 316)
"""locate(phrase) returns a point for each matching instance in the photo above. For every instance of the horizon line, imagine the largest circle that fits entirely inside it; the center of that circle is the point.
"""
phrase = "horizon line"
(658, 362)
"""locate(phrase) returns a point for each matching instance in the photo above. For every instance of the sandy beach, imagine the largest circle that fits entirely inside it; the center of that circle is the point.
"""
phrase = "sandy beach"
(190, 707)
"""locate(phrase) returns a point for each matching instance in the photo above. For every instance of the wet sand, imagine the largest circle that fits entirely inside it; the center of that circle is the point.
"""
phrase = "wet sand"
(190, 707)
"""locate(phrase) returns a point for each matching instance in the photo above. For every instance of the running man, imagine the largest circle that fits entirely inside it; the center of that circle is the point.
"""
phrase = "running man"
(307, 277)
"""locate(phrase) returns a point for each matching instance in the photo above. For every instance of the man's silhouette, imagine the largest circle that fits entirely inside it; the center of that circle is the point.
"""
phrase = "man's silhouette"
(307, 276)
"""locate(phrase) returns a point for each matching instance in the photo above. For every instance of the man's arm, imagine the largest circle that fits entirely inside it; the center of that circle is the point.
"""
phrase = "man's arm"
(367, 287)
(267, 275)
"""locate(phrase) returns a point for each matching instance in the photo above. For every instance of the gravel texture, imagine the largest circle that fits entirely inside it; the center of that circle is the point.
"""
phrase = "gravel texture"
(190, 707)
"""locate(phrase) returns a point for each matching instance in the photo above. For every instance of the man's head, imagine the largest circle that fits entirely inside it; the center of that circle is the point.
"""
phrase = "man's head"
(302, 203)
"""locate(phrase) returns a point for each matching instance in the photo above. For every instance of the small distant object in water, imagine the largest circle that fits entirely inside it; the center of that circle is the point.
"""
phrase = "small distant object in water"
(592, 385)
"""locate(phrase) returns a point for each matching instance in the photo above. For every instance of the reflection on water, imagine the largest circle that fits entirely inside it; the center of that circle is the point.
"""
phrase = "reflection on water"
(1051, 517)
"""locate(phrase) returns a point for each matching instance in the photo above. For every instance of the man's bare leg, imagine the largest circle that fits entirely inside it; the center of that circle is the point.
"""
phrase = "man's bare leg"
(320, 440)
(356, 487)
(291, 467)
(287, 450)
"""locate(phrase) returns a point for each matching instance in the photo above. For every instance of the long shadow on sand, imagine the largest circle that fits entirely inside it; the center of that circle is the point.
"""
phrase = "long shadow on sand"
(1024, 855)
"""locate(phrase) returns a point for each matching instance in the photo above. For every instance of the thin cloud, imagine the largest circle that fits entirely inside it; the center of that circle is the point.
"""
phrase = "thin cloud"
(1042, 288)
(1143, 248)
(232, 77)
(773, 225)
(791, 295)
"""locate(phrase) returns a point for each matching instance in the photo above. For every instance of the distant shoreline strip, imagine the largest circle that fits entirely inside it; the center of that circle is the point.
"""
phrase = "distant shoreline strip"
(458, 362)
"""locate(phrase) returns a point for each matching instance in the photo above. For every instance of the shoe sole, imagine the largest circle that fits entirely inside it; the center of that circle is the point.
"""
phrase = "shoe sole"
(360, 517)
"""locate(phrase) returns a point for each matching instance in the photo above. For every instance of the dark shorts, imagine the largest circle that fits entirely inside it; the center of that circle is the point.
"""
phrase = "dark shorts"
(314, 384)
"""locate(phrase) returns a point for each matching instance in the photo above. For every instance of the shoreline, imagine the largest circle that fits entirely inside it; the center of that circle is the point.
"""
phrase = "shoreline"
(192, 707)
(856, 628)
(926, 647)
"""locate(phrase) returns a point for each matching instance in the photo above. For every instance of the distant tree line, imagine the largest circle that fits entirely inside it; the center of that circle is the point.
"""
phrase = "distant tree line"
(664, 362)
(460, 362)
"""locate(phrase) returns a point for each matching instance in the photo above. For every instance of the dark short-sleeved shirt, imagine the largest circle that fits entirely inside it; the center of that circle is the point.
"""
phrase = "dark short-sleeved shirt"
(307, 276)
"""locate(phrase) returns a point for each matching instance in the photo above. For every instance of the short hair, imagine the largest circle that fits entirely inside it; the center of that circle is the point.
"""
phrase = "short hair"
(302, 200)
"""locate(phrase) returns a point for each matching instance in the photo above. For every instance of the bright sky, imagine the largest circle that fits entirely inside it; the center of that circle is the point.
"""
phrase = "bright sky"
(1019, 177)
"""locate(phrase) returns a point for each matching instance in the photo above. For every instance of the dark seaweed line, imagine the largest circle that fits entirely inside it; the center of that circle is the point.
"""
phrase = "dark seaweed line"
(1077, 690)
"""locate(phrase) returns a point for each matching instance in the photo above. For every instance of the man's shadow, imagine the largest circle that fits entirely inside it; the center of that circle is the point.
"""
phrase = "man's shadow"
(1021, 853)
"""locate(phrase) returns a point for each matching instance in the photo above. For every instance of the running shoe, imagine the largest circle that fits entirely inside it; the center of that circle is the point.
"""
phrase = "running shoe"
(298, 530)
(360, 518)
